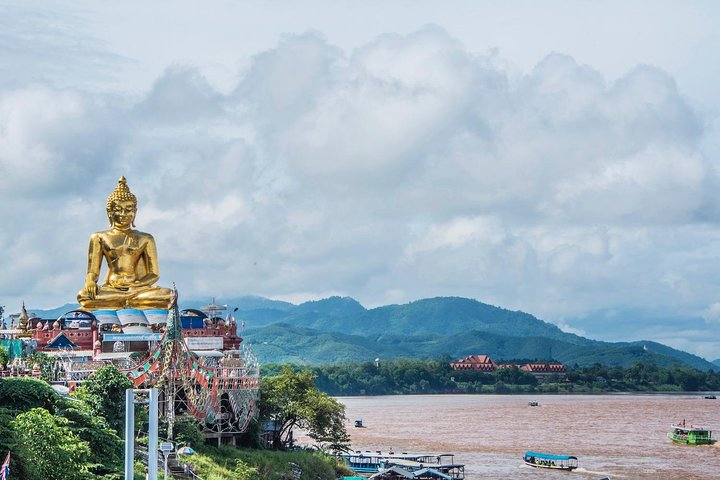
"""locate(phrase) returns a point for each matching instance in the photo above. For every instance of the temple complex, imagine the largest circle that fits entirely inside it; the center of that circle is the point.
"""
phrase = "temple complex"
(194, 356)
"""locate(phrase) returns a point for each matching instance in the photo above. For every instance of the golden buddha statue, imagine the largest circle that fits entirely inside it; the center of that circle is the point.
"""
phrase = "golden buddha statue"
(131, 258)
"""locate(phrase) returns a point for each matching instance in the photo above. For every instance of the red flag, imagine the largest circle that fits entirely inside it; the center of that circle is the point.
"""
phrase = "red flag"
(5, 469)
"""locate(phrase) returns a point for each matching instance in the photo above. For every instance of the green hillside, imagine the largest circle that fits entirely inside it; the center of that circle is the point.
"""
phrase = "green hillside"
(280, 343)
(339, 328)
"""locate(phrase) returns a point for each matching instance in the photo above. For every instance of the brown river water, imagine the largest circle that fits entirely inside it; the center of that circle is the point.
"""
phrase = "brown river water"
(615, 436)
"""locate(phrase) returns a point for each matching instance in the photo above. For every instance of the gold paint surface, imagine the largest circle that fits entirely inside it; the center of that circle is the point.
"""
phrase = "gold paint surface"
(130, 257)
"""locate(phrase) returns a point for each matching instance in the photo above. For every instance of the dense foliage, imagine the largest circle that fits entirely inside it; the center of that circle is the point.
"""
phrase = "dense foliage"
(104, 392)
(53, 437)
(187, 431)
(23, 393)
(4, 357)
(49, 447)
(645, 376)
(104, 442)
(290, 400)
(408, 376)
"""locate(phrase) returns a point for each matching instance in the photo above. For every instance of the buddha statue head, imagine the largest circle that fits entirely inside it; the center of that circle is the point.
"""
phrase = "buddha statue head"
(121, 206)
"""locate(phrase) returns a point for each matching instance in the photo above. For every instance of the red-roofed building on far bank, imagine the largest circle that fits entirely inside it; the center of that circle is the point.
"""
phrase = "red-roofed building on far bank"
(545, 371)
(481, 363)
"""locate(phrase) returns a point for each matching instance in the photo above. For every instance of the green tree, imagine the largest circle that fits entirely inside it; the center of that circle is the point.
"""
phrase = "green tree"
(291, 399)
(8, 442)
(49, 449)
(24, 393)
(327, 422)
(186, 431)
(103, 441)
(45, 362)
(104, 391)
(4, 357)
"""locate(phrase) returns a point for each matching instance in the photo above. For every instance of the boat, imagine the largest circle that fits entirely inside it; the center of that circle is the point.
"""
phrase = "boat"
(359, 423)
(710, 397)
(533, 403)
(389, 465)
(548, 460)
(692, 435)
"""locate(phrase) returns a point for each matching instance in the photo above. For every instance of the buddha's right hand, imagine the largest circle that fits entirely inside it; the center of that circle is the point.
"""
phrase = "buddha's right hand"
(90, 289)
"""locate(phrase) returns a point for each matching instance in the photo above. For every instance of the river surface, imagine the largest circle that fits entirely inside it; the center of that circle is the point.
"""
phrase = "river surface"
(618, 436)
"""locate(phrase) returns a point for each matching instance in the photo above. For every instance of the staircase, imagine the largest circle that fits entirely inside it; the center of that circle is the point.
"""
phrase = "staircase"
(176, 469)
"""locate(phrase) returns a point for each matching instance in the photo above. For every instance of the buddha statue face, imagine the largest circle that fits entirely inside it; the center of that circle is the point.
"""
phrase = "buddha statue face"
(122, 214)
(121, 206)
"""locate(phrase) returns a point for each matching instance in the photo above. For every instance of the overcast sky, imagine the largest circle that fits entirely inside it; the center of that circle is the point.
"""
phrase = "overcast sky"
(555, 157)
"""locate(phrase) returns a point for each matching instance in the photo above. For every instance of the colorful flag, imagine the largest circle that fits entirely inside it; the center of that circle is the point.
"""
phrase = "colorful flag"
(5, 469)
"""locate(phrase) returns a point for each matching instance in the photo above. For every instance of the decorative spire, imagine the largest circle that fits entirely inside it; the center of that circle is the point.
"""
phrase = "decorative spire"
(173, 329)
(24, 317)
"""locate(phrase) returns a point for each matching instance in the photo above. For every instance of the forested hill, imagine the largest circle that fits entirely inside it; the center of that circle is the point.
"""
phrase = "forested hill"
(440, 315)
(340, 328)
(283, 343)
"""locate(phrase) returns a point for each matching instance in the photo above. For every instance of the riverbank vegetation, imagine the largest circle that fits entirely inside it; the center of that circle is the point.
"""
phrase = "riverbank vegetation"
(408, 376)
(52, 437)
(80, 437)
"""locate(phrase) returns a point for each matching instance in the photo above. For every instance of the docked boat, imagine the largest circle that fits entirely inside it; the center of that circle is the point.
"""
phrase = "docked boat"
(390, 465)
(690, 435)
(547, 460)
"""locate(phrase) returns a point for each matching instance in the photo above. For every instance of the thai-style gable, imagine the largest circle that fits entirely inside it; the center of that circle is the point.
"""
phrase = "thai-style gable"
(60, 341)
(482, 363)
(544, 367)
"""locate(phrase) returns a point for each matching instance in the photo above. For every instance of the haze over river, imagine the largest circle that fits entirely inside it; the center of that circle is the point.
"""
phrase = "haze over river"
(619, 436)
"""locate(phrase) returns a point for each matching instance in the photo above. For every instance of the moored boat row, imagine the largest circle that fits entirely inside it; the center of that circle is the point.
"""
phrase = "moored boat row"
(392, 465)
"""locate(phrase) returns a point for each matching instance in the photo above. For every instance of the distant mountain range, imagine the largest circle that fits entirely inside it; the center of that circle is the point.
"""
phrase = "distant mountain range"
(341, 329)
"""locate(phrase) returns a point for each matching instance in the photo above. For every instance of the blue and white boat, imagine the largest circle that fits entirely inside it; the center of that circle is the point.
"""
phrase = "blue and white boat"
(548, 460)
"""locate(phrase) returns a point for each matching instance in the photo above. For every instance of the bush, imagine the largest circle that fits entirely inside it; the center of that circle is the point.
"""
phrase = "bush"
(187, 431)
(25, 393)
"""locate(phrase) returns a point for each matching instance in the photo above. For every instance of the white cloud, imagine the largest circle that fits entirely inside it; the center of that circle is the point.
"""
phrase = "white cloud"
(410, 166)
(712, 313)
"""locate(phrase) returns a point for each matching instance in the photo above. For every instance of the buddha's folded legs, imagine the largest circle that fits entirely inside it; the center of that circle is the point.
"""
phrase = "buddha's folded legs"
(109, 298)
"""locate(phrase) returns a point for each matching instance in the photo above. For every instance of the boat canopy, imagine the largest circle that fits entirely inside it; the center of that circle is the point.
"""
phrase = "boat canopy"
(429, 472)
(549, 456)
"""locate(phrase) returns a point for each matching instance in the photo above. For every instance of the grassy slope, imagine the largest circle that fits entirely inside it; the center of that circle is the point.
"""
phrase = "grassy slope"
(220, 464)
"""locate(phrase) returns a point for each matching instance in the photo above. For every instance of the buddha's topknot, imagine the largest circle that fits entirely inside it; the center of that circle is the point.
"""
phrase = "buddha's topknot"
(121, 193)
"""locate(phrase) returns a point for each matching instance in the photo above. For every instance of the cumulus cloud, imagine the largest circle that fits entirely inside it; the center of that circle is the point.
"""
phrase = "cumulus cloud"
(406, 168)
